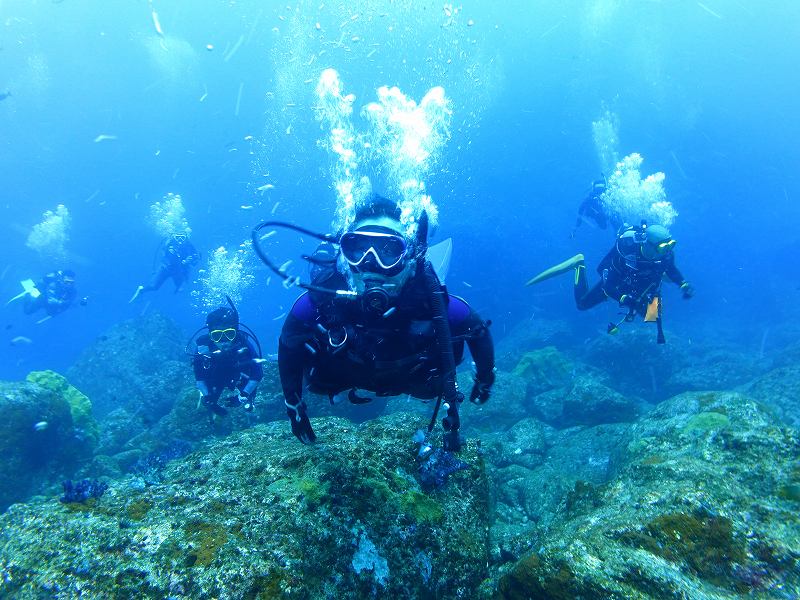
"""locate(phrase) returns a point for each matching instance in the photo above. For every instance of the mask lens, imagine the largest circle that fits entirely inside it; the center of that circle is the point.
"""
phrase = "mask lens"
(355, 246)
(388, 249)
(179, 237)
(665, 247)
(216, 335)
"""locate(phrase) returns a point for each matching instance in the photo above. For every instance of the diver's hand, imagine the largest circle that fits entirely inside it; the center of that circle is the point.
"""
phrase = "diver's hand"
(246, 402)
(301, 426)
(481, 392)
(482, 388)
(687, 290)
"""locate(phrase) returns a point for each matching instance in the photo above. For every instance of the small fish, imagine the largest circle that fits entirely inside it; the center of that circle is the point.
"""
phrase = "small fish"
(279, 317)
(285, 266)
(265, 187)
(709, 11)
(5, 95)
(235, 48)
(156, 22)
(103, 138)
(40, 426)
(246, 207)
(274, 208)
(20, 340)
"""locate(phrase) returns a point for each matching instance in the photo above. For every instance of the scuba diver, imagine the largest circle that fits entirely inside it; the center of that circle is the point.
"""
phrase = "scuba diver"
(592, 209)
(227, 357)
(631, 273)
(178, 255)
(377, 318)
(54, 293)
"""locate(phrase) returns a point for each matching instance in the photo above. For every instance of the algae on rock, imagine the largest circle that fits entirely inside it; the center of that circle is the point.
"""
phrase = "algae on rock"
(258, 514)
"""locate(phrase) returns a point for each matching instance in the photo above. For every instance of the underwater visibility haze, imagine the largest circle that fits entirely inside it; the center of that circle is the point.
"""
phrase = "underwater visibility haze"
(141, 142)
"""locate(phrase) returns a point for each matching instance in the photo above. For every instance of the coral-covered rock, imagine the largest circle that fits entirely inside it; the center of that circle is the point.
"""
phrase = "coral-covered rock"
(80, 407)
(779, 389)
(260, 515)
(528, 334)
(505, 407)
(39, 441)
(700, 506)
(544, 369)
(584, 402)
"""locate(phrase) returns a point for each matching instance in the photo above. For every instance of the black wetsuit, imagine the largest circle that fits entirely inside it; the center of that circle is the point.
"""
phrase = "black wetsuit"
(217, 368)
(337, 345)
(177, 258)
(625, 272)
(57, 295)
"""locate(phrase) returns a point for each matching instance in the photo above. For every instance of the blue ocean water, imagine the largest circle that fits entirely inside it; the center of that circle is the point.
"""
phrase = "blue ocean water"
(220, 102)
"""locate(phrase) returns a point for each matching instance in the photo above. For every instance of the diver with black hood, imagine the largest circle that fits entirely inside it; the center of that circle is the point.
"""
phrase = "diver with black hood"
(226, 357)
(377, 318)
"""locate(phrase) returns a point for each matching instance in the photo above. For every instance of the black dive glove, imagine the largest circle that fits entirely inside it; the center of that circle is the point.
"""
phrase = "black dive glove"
(482, 388)
(687, 290)
(301, 426)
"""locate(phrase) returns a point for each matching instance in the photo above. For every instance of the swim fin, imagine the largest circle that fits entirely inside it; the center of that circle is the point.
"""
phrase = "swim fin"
(136, 294)
(29, 289)
(558, 269)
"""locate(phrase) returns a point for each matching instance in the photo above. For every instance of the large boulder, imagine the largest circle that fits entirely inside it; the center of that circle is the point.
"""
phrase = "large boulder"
(779, 389)
(637, 366)
(544, 369)
(506, 406)
(535, 470)
(585, 401)
(259, 515)
(529, 334)
(702, 505)
(46, 431)
(138, 365)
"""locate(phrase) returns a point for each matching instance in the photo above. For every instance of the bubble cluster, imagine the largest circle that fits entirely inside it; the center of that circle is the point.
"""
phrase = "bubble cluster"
(229, 273)
(334, 110)
(49, 238)
(635, 199)
(167, 217)
(606, 140)
(407, 139)
(403, 140)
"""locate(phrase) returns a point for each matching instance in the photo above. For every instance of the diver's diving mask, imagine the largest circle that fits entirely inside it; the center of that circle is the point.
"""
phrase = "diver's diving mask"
(665, 247)
(216, 335)
(387, 249)
(179, 237)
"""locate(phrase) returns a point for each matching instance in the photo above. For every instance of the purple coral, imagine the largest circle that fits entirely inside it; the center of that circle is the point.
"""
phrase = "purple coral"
(83, 490)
